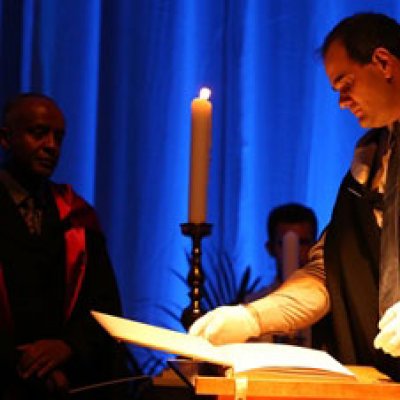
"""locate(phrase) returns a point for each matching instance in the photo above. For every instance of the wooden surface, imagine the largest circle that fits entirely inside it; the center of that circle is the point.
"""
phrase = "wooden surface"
(369, 384)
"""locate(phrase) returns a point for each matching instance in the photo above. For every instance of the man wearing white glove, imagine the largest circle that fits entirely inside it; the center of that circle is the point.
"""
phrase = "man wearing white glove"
(298, 303)
(220, 325)
(353, 269)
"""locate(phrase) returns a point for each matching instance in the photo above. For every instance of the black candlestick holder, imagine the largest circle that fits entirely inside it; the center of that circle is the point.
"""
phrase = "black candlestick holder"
(195, 278)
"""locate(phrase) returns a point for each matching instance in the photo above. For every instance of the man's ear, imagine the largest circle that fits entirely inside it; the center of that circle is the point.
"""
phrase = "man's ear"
(5, 134)
(383, 59)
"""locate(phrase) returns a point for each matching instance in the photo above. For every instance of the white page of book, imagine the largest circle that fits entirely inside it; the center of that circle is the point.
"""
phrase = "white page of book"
(248, 356)
(240, 356)
(160, 338)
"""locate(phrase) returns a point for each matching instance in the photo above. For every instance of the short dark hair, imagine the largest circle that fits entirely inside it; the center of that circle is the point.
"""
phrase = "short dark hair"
(291, 213)
(362, 33)
(14, 101)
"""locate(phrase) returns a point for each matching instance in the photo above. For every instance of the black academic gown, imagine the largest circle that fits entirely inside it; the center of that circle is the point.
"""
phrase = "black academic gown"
(352, 251)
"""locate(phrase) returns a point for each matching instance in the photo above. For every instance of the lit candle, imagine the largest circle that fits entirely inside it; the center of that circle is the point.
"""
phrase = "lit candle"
(200, 156)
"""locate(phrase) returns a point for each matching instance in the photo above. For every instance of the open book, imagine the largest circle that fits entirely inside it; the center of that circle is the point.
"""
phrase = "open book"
(238, 357)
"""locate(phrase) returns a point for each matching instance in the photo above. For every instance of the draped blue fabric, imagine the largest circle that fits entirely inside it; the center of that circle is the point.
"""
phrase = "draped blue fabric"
(125, 72)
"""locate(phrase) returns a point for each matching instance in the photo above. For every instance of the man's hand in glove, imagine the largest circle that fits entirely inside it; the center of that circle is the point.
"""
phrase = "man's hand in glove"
(227, 324)
(388, 339)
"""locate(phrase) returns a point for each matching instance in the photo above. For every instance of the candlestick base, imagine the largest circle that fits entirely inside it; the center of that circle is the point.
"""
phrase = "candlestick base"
(195, 277)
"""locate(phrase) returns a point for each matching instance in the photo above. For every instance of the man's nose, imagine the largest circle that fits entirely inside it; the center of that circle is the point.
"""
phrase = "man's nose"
(51, 141)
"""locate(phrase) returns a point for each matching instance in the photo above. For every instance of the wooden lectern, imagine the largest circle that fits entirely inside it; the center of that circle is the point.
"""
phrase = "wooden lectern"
(368, 385)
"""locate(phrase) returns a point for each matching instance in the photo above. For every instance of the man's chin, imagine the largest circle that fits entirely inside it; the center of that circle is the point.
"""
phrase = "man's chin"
(363, 121)
(43, 171)
(372, 123)
(44, 167)
(366, 124)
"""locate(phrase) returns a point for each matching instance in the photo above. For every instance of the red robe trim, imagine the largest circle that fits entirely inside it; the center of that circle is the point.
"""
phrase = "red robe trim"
(77, 215)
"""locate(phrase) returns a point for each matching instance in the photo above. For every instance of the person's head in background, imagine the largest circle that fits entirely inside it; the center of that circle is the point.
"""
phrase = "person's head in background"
(286, 222)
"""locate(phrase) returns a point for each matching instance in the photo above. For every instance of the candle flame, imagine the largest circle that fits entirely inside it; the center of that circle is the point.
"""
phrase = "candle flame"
(205, 93)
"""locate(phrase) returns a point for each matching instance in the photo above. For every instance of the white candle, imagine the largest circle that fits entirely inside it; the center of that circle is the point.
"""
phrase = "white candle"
(291, 252)
(201, 110)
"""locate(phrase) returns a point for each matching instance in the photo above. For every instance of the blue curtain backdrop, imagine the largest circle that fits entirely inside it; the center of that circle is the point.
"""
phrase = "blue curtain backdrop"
(125, 72)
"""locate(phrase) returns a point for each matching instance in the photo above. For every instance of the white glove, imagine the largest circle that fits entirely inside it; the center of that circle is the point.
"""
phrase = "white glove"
(388, 339)
(226, 324)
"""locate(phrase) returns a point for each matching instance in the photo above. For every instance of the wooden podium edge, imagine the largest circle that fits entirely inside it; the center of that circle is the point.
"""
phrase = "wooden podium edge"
(369, 384)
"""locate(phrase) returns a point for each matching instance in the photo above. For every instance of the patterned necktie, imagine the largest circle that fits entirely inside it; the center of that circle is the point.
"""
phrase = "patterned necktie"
(32, 216)
(389, 279)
